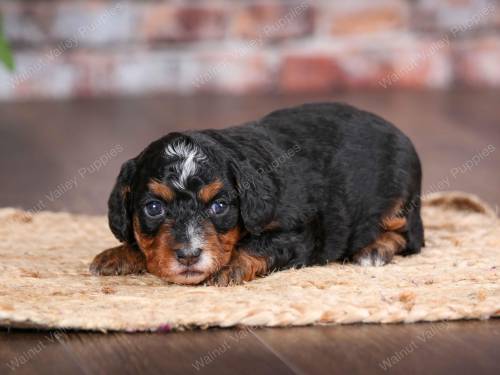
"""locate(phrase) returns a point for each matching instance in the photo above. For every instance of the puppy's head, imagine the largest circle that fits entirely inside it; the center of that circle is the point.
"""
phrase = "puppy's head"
(187, 207)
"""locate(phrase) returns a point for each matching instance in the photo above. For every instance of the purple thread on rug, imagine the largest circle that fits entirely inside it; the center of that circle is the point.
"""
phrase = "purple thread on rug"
(164, 328)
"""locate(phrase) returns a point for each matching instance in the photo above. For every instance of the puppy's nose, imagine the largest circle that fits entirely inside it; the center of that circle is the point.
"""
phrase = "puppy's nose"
(188, 256)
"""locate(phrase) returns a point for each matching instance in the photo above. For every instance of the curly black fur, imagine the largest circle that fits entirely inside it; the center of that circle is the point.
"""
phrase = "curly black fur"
(309, 184)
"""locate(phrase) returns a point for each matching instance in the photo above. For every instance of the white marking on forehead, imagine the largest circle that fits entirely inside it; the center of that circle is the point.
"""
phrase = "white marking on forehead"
(190, 156)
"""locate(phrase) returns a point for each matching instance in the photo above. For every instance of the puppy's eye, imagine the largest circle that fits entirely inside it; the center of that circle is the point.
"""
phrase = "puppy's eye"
(218, 207)
(154, 209)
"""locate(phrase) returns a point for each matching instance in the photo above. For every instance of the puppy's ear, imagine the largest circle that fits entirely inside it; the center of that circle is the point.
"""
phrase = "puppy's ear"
(258, 195)
(119, 201)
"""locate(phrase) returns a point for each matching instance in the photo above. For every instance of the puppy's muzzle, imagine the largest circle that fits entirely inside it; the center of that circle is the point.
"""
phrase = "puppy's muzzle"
(188, 256)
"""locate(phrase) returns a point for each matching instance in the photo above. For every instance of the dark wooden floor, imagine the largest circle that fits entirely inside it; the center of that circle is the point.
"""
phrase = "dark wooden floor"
(46, 145)
(436, 348)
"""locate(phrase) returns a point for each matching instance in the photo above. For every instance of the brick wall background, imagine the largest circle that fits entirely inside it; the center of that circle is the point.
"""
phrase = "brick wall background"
(67, 48)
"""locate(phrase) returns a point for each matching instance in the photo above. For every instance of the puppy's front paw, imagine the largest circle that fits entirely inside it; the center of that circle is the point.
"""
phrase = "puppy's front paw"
(242, 267)
(229, 275)
(381, 252)
(120, 260)
(372, 257)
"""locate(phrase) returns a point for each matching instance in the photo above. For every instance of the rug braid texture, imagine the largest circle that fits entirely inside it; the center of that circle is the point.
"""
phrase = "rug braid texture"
(45, 283)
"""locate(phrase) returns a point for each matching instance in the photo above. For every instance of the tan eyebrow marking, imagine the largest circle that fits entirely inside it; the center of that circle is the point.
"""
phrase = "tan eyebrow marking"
(125, 190)
(163, 191)
(210, 190)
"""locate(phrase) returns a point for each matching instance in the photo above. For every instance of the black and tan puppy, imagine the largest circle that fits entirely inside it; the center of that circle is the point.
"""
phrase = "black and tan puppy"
(302, 186)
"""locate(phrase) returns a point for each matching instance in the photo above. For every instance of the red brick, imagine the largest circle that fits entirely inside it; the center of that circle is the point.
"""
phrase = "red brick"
(89, 73)
(448, 15)
(95, 70)
(37, 76)
(139, 71)
(402, 64)
(93, 23)
(27, 23)
(309, 73)
(495, 14)
(128, 71)
(231, 72)
(477, 62)
(181, 23)
(353, 45)
(365, 17)
(273, 21)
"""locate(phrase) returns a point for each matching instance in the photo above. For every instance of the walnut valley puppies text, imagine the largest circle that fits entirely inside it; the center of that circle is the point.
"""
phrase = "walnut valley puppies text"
(72, 183)
(458, 171)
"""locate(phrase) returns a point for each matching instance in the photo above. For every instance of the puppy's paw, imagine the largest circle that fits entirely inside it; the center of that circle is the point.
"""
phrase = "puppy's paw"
(120, 260)
(381, 252)
(229, 275)
(373, 257)
(242, 267)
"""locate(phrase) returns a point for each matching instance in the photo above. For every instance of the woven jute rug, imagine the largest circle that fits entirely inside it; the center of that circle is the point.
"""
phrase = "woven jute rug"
(44, 280)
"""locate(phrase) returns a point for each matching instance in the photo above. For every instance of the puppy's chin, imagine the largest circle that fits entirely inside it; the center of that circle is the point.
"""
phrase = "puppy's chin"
(177, 273)
(188, 277)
